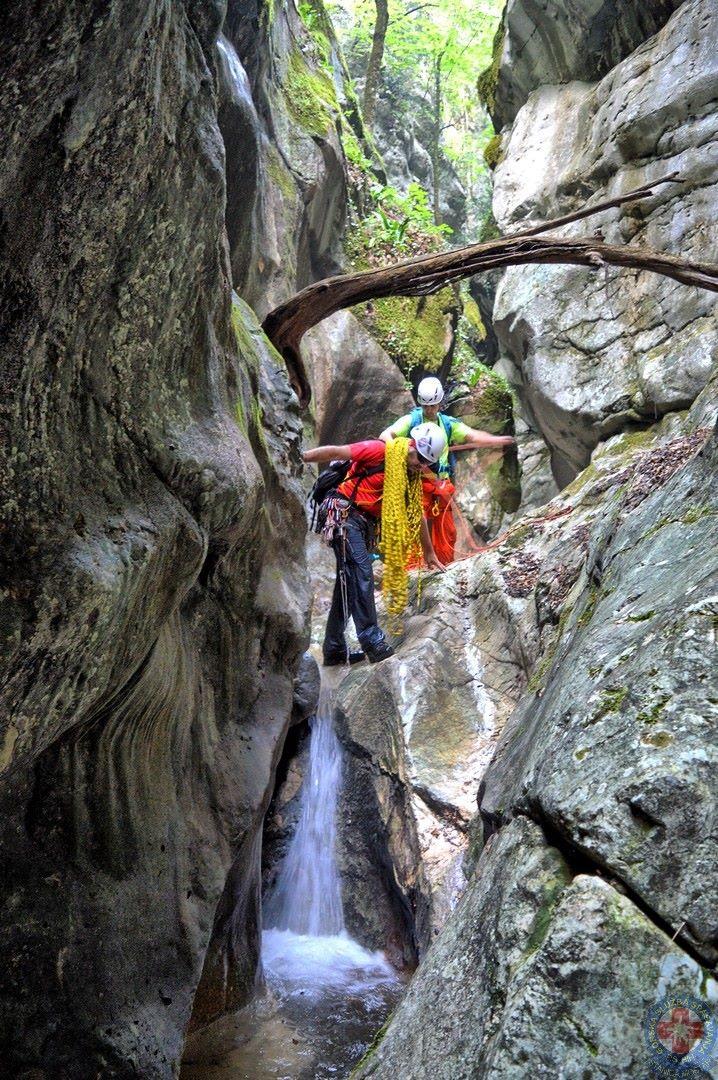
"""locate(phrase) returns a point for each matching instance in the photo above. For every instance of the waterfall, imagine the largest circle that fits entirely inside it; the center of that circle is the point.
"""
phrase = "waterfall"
(307, 896)
(304, 943)
(234, 76)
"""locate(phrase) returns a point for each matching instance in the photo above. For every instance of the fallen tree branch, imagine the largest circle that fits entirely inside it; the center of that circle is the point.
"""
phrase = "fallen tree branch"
(287, 324)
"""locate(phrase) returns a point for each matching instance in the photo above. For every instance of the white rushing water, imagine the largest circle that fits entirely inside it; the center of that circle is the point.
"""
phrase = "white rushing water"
(329, 996)
(304, 942)
(234, 73)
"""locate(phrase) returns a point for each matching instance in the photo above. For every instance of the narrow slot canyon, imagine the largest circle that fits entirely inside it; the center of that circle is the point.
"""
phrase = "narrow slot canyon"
(358, 540)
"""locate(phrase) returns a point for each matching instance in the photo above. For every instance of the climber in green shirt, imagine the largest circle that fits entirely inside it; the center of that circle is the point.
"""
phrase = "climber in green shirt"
(430, 394)
(440, 491)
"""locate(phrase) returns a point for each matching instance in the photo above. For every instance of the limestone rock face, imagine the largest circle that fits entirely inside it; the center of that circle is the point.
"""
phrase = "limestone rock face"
(419, 730)
(356, 389)
(153, 586)
(557, 41)
(594, 352)
(579, 915)
(286, 182)
(541, 971)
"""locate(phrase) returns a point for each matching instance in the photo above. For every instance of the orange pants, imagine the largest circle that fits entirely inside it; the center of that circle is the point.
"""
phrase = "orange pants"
(442, 529)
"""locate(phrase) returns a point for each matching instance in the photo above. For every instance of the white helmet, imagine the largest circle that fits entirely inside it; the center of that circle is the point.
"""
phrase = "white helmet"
(430, 391)
(430, 441)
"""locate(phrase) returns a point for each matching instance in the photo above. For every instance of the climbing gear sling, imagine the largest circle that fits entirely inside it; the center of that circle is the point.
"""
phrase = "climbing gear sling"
(323, 495)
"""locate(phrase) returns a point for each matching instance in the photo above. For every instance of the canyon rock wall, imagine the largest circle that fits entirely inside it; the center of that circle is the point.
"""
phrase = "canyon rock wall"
(286, 173)
(591, 862)
(593, 895)
(595, 352)
(558, 41)
(153, 580)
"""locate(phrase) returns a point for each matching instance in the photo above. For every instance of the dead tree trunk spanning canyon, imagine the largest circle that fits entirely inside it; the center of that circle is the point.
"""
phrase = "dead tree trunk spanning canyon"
(287, 324)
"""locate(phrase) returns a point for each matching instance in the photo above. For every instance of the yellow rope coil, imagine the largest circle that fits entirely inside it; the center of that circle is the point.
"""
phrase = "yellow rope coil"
(401, 514)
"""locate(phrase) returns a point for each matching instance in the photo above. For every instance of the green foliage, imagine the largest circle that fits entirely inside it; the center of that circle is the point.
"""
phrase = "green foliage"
(396, 225)
(353, 151)
(450, 37)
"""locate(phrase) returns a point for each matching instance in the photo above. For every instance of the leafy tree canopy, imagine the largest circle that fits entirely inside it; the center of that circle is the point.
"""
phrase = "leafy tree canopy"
(453, 36)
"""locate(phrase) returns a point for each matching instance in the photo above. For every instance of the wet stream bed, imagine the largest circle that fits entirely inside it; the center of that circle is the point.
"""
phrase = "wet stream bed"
(326, 997)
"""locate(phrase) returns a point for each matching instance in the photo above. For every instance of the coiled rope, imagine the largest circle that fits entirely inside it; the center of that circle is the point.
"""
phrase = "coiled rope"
(401, 515)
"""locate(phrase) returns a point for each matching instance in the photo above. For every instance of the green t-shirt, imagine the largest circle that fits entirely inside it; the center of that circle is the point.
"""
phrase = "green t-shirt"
(457, 433)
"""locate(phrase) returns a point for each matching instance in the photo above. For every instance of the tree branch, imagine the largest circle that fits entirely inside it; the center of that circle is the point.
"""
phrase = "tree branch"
(287, 324)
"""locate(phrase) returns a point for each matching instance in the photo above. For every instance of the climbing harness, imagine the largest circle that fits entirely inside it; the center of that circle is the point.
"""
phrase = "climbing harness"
(324, 495)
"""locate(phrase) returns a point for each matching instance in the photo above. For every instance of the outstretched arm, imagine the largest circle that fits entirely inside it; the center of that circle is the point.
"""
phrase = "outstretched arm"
(399, 428)
(327, 453)
(481, 440)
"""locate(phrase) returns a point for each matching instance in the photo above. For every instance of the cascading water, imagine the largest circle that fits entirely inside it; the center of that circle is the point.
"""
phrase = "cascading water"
(235, 77)
(328, 996)
(307, 896)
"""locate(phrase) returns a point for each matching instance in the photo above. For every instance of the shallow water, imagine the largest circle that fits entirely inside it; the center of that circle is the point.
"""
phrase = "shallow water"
(326, 995)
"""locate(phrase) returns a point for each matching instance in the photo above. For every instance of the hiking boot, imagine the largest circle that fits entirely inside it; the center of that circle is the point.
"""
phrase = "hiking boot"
(382, 652)
(335, 659)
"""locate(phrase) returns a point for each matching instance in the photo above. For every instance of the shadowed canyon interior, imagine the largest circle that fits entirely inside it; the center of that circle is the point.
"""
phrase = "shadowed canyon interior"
(493, 853)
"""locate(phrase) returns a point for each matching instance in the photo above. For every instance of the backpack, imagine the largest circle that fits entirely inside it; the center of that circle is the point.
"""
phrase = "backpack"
(417, 417)
(329, 480)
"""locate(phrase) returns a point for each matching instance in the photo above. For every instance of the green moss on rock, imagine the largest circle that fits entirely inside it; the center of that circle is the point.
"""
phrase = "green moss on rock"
(493, 155)
(310, 96)
(611, 701)
(659, 739)
(488, 80)
(280, 175)
(413, 332)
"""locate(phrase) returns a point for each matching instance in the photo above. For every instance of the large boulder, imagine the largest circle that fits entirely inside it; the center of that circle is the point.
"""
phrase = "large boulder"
(356, 389)
(542, 971)
(154, 586)
(596, 352)
(556, 41)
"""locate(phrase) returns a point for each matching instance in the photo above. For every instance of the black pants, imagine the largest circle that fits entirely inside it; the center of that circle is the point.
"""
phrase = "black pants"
(352, 554)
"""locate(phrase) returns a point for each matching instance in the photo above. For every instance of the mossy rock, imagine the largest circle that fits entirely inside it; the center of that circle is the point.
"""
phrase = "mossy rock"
(493, 154)
(310, 96)
(504, 480)
(415, 333)
(280, 175)
(488, 80)
(487, 403)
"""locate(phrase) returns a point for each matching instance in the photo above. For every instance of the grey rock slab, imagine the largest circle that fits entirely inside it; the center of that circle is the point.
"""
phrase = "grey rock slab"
(615, 750)
(538, 972)
(558, 41)
(594, 353)
(357, 390)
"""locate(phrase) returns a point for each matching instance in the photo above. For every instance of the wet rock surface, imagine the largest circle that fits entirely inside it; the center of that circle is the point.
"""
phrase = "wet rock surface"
(286, 181)
(153, 573)
(595, 352)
